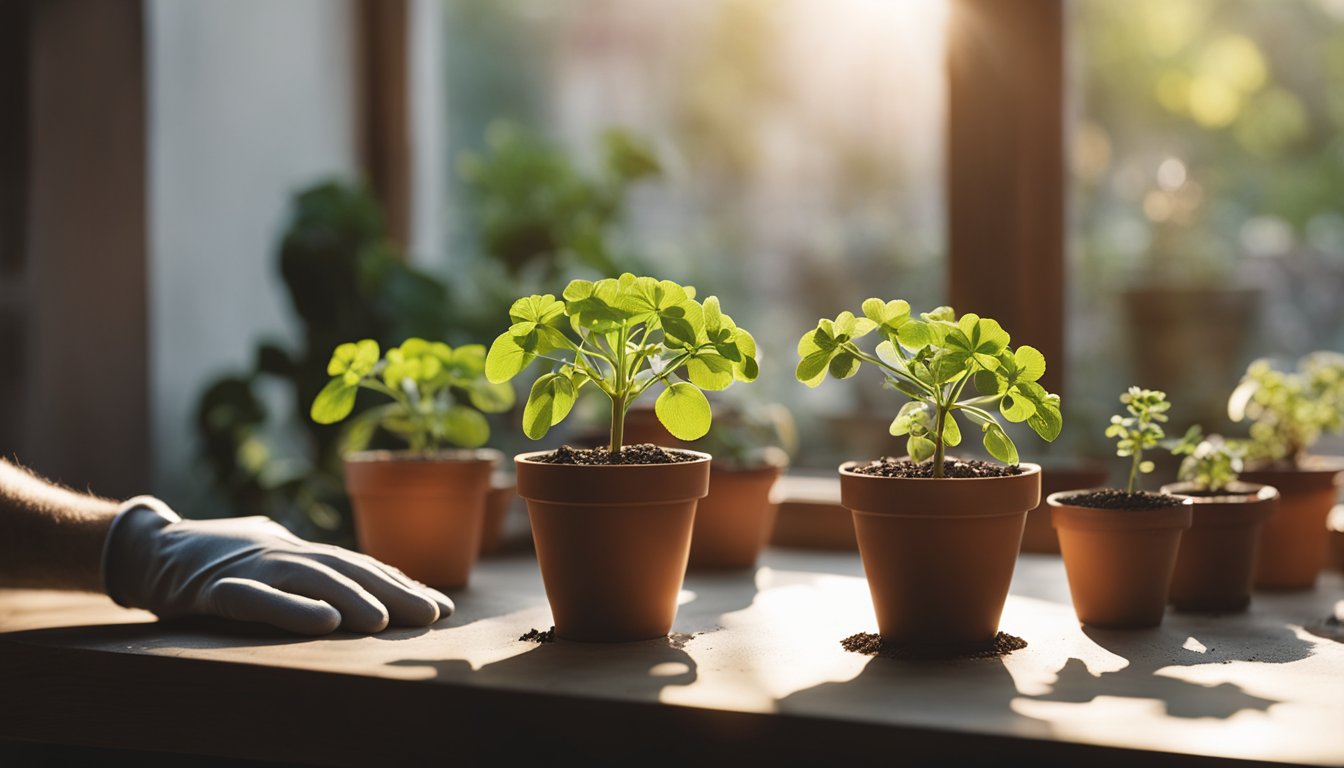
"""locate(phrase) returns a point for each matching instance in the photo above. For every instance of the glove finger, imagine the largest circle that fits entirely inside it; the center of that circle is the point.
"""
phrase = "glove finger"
(248, 600)
(444, 602)
(304, 575)
(407, 606)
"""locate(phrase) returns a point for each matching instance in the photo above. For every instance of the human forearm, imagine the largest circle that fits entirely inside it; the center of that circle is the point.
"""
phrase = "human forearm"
(50, 536)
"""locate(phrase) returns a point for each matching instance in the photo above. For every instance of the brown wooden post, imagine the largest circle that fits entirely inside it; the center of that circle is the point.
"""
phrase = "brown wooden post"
(384, 109)
(80, 307)
(1006, 171)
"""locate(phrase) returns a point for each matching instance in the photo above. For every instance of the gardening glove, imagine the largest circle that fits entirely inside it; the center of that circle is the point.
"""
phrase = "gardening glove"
(252, 569)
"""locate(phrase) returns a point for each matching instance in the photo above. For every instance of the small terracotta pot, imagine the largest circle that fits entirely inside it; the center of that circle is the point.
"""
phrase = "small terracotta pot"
(1039, 535)
(422, 514)
(1293, 543)
(612, 542)
(733, 523)
(939, 554)
(503, 491)
(1216, 563)
(1119, 561)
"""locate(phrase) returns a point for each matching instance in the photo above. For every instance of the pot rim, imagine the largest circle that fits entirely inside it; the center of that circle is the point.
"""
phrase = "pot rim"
(407, 456)
(528, 458)
(1178, 516)
(1056, 500)
(1253, 493)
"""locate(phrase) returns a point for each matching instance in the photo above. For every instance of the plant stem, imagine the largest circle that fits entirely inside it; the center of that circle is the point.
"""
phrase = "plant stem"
(1134, 470)
(617, 424)
(938, 448)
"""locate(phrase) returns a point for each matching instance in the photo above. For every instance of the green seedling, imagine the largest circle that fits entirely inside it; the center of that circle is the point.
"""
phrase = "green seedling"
(1290, 410)
(623, 336)
(1140, 430)
(1211, 463)
(931, 359)
(438, 394)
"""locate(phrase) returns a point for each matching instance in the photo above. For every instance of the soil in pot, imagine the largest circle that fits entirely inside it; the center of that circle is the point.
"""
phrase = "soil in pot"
(733, 522)
(1215, 565)
(1293, 543)
(938, 553)
(421, 513)
(612, 538)
(1039, 535)
(1119, 553)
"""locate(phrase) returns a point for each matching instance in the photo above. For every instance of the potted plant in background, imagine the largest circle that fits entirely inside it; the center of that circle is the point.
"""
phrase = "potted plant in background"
(1120, 547)
(938, 537)
(420, 509)
(734, 521)
(1289, 411)
(1216, 562)
(612, 525)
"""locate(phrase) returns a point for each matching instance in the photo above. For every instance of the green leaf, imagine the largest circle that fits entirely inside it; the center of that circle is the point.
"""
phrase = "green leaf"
(334, 402)
(548, 404)
(1016, 409)
(491, 397)
(919, 448)
(1047, 422)
(812, 369)
(465, 427)
(999, 444)
(506, 359)
(684, 410)
(951, 432)
(987, 382)
(917, 335)
(1030, 363)
(710, 371)
(844, 365)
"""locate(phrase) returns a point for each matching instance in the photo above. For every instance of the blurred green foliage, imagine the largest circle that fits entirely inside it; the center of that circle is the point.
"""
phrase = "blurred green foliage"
(541, 214)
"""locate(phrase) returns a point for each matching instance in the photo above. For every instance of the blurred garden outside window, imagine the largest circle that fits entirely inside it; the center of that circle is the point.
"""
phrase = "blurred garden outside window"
(1207, 154)
(801, 153)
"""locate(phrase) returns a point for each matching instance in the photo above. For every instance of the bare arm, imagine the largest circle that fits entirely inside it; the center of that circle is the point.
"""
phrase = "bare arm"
(50, 536)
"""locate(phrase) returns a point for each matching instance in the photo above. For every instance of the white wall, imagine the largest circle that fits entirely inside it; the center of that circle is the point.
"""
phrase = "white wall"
(250, 100)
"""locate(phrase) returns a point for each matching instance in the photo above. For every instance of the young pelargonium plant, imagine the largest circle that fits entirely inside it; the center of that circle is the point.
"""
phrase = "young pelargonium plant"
(623, 336)
(932, 359)
(1290, 410)
(438, 394)
(1140, 430)
(1211, 463)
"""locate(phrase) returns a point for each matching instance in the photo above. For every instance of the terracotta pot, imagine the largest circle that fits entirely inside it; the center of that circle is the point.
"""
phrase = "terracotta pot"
(1039, 535)
(1216, 563)
(810, 515)
(939, 554)
(612, 542)
(1119, 561)
(503, 491)
(733, 523)
(422, 514)
(1293, 542)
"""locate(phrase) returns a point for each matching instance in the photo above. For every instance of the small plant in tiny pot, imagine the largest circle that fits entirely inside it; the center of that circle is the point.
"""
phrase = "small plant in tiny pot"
(938, 536)
(1215, 566)
(1289, 411)
(612, 525)
(751, 447)
(420, 509)
(1120, 546)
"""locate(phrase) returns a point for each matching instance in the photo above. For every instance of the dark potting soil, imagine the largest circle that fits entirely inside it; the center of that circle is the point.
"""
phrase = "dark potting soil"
(1110, 498)
(646, 453)
(870, 644)
(889, 467)
(535, 635)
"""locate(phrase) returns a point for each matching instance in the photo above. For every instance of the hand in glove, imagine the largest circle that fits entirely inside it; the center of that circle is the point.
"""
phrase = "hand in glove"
(253, 569)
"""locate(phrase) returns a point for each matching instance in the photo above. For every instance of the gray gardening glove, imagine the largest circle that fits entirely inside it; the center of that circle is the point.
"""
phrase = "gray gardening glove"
(252, 569)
